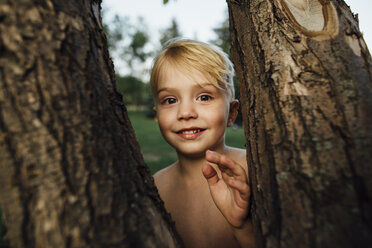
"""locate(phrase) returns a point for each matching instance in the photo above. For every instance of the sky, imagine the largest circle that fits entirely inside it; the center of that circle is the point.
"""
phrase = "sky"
(198, 18)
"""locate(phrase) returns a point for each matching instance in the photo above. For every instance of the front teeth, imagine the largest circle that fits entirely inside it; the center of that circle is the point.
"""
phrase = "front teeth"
(191, 131)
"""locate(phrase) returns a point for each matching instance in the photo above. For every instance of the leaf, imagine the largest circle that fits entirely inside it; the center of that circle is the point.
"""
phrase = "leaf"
(165, 1)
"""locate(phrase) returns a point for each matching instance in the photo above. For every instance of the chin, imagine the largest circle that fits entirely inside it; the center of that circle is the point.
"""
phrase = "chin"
(192, 152)
(192, 155)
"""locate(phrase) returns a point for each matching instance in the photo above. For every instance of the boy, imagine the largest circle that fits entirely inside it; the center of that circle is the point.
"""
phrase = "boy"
(206, 190)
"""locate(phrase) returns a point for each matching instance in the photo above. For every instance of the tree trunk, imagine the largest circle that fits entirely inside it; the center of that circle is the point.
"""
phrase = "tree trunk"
(71, 171)
(306, 90)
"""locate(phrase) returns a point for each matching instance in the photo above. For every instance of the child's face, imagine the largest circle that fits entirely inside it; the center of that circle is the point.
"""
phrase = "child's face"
(192, 113)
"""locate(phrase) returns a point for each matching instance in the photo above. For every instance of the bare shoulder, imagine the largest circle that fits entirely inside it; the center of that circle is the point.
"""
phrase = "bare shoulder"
(238, 155)
(164, 179)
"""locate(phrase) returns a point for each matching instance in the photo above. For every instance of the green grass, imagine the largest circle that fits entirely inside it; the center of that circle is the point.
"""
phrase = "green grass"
(156, 151)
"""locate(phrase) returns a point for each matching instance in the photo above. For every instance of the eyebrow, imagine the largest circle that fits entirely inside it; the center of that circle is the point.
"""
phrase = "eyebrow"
(201, 85)
(162, 89)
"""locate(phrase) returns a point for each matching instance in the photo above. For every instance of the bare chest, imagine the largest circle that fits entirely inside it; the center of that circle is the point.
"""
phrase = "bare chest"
(198, 220)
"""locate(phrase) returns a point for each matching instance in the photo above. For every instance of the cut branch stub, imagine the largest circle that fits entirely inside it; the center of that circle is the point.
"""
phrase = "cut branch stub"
(317, 19)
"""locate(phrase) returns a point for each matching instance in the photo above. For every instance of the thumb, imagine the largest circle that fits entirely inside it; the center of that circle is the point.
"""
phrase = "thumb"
(210, 174)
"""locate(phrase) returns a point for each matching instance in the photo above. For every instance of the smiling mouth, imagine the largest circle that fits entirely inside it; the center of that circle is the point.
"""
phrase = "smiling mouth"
(190, 131)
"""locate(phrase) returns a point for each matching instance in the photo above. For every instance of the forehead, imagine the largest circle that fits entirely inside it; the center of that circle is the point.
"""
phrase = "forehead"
(179, 76)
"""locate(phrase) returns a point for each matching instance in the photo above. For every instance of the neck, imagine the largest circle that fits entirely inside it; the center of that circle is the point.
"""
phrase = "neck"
(190, 167)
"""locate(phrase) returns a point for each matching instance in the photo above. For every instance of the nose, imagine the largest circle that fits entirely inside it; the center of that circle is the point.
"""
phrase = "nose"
(187, 111)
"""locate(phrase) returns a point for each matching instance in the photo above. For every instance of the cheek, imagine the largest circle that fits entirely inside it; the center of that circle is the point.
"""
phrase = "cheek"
(221, 120)
(164, 119)
(219, 115)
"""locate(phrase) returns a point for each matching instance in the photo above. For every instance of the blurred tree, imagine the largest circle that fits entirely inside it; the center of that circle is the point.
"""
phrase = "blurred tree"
(139, 40)
(133, 90)
(127, 43)
(116, 30)
(170, 33)
(223, 41)
(135, 53)
(223, 36)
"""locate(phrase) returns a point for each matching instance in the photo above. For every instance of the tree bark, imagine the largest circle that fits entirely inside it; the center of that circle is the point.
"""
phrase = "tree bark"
(306, 91)
(71, 171)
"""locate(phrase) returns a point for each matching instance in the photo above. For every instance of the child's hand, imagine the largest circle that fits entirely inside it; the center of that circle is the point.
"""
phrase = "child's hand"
(231, 192)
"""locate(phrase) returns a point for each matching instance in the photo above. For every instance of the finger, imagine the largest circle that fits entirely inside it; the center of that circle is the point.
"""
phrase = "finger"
(240, 201)
(226, 175)
(215, 157)
(225, 164)
(210, 174)
(225, 170)
(241, 187)
(234, 167)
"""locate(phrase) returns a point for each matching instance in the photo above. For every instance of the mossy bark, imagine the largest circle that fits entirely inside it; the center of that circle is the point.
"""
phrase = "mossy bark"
(71, 171)
(306, 91)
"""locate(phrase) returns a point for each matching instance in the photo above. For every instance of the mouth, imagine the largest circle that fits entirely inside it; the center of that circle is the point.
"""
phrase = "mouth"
(190, 133)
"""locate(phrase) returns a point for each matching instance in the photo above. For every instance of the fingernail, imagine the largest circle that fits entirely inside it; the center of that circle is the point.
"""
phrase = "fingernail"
(210, 152)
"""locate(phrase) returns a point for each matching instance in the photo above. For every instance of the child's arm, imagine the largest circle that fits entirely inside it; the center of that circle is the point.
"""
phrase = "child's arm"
(231, 195)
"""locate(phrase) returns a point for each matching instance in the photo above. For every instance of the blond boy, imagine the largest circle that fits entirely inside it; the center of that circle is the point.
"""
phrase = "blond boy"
(206, 190)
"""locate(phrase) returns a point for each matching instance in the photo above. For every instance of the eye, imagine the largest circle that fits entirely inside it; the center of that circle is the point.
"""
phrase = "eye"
(204, 98)
(169, 101)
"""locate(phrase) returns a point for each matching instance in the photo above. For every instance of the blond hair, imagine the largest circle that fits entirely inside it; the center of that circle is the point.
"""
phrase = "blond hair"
(186, 55)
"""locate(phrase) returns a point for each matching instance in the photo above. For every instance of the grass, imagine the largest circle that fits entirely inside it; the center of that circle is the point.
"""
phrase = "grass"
(156, 151)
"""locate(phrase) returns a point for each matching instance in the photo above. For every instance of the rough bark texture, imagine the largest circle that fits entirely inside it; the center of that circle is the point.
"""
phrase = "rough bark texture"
(71, 171)
(306, 90)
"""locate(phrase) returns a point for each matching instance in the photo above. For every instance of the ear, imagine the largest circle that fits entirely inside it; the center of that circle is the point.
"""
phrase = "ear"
(156, 114)
(233, 112)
